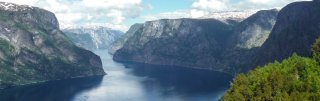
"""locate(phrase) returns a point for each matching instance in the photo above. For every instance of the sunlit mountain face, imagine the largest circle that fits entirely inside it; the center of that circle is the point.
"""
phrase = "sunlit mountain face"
(93, 37)
(151, 50)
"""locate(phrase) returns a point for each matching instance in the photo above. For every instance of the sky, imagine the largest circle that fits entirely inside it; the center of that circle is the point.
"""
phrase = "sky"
(121, 14)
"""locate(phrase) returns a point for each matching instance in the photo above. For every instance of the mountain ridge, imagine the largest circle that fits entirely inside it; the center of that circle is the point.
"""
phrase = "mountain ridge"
(33, 48)
(196, 43)
(93, 37)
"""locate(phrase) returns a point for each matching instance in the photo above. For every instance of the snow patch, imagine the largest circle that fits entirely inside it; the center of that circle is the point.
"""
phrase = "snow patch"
(230, 15)
(14, 7)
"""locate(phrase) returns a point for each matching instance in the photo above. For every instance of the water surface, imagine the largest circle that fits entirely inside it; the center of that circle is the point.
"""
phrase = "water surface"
(128, 82)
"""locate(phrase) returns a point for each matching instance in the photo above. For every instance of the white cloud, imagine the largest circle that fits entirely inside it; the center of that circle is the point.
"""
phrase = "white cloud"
(116, 12)
(201, 8)
(117, 16)
(209, 8)
(198, 13)
(167, 15)
(81, 12)
(263, 4)
(118, 4)
(21, 2)
(204, 7)
(216, 5)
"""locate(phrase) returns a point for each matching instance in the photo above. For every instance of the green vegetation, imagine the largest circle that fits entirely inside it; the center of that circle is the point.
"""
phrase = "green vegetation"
(294, 79)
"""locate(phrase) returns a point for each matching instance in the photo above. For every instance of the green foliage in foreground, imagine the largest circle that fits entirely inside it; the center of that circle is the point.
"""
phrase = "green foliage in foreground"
(294, 79)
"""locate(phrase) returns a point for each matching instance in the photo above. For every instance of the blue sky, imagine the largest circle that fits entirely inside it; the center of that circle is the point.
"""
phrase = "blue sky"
(160, 6)
(121, 14)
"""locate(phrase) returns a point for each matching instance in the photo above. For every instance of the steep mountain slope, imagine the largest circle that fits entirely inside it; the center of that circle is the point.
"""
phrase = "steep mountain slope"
(247, 37)
(253, 31)
(93, 37)
(198, 43)
(297, 27)
(33, 49)
(117, 44)
(182, 42)
(295, 78)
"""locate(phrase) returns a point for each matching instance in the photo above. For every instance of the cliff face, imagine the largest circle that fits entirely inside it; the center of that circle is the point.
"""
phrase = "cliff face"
(253, 31)
(297, 27)
(198, 43)
(181, 42)
(231, 48)
(93, 37)
(247, 37)
(33, 49)
(117, 44)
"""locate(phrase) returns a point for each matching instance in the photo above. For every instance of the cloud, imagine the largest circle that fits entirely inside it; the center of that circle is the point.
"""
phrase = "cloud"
(216, 5)
(210, 8)
(262, 4)
(167, 15)
(204, 7)
(22, 2)
(201, 8)
(82, 12)
(117, 12)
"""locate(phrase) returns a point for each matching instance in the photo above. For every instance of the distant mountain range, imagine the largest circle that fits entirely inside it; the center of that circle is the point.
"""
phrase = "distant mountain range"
(230, 15)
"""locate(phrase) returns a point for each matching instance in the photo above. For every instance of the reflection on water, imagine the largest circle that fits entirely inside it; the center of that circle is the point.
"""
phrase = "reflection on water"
(128, 82)
(62, 90)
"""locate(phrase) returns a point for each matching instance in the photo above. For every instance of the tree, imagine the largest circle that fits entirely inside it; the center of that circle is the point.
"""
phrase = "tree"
(316, 50)
(294, 79)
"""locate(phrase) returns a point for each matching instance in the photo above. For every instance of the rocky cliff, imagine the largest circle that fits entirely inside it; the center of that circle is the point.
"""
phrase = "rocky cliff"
(198, 43)
(33, 49)
(92, 37)
(247, 38)
(117, 44)
(253, 31)
(297, 27)
(181, 42)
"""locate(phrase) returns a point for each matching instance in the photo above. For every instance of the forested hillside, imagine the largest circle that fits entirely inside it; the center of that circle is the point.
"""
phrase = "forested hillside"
(294, 79)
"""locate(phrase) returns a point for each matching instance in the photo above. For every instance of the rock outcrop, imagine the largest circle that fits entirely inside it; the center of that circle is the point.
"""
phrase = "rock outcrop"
(33, 49)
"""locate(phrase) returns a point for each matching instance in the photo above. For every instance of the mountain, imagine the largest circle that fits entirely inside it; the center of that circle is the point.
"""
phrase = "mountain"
(294, 77)
(296, 28)
(92, 37)
(197, 43)
(247, 38)
(253, 31)
(193, 43)
(33, 48)
(117, 44)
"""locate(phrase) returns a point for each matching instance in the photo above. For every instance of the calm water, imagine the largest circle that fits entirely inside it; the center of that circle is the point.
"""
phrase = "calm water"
(128, 82)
